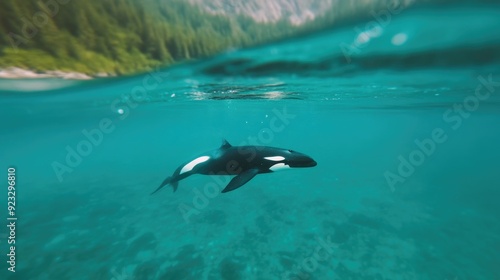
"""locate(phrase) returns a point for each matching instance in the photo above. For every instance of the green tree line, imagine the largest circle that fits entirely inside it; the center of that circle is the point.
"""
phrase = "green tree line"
(119, 36)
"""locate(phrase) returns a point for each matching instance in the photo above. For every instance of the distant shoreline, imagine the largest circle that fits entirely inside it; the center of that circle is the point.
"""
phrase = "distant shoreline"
(19, 73)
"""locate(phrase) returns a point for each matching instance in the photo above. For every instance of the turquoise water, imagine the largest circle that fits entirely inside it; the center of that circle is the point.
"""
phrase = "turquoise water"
(405, 131)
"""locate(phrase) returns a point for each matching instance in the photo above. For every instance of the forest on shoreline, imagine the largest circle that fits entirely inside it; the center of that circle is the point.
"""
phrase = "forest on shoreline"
(118, 37)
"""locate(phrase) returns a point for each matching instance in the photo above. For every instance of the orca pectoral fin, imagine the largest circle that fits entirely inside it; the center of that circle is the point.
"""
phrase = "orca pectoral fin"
(240, 180)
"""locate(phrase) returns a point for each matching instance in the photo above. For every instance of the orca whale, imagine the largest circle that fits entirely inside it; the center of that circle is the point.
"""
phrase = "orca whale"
(243, 161)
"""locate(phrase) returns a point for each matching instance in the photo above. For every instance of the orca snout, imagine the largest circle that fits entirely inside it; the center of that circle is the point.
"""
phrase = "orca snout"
(309, 163)
(303, 161)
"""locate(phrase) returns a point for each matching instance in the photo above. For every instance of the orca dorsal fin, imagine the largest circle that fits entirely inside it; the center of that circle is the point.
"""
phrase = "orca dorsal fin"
(225, 144)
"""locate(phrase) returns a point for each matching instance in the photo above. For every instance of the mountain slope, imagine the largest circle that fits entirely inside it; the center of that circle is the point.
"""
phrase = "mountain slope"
(295, 11)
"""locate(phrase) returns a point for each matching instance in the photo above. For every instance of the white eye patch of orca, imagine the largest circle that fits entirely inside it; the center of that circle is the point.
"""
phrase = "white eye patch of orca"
(279, 166)
(276, 158)
(188, 167)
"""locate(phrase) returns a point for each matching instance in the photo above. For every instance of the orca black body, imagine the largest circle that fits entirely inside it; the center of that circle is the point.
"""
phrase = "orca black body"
(243, 161)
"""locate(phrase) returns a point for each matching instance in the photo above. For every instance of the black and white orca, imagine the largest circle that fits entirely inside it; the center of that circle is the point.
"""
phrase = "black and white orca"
(243, 161)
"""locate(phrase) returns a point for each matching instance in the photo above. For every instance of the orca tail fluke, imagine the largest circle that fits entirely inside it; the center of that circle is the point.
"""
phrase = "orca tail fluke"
(166, 182)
